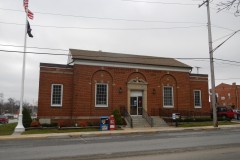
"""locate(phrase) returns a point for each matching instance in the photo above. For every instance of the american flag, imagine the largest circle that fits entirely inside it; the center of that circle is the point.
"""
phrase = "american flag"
(25, 5)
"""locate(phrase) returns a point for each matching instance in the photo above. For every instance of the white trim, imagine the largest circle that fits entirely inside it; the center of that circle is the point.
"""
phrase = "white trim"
(131, 65)
(136, 93)
(97, 105)
(200, 99)
(56, 105)
(164, 106)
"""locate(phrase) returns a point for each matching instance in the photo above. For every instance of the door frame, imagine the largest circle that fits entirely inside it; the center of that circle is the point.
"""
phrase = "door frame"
(137, 85)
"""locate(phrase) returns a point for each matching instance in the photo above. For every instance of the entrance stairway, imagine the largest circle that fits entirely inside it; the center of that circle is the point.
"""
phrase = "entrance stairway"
(139, 122)
(158, 122)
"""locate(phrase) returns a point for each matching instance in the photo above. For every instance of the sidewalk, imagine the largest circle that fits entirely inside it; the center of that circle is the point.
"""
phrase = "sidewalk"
(115, 132)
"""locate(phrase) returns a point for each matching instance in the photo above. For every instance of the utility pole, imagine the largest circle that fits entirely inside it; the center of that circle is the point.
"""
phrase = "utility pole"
(213, 98)
(1, 100)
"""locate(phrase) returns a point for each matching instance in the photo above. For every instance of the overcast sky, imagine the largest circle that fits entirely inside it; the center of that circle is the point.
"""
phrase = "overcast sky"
(163, 28)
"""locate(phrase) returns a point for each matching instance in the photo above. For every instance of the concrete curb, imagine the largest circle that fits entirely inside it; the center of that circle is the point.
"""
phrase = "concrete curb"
(116, 132)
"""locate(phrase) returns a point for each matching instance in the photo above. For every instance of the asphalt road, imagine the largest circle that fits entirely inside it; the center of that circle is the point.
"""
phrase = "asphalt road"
(230, 153)
(121, 146)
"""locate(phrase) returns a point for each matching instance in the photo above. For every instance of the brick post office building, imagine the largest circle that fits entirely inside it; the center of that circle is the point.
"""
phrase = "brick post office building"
(95, 83)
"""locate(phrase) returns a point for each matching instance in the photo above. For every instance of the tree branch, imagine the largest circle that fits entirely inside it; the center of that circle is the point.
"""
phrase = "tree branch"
(228, 5)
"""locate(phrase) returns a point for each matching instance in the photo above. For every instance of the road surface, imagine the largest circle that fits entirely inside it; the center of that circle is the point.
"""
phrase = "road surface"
(121, 146)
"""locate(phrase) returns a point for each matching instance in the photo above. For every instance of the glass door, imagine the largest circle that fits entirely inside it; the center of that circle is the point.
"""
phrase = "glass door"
(140, 106)
(133, 107)
(136, 106)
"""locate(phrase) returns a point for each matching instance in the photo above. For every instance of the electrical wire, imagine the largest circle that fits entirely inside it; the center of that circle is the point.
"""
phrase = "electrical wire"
(157, 2)
(119, 19)
(108, 18)
(8, 45)
(127, 56)
(222, 37)
(231, 62)
(103, 28)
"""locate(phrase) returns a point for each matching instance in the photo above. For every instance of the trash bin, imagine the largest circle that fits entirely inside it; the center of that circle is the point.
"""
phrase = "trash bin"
(104, 123)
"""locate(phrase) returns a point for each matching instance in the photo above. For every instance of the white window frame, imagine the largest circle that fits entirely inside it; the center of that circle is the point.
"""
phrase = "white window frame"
(200, 96)
(168, 106)
(101, 105)
(56, 105)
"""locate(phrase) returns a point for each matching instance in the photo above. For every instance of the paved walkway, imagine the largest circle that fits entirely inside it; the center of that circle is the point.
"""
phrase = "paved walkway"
(16, 136)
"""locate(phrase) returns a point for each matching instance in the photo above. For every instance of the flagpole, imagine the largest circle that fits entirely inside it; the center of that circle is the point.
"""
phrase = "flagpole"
(20, 128)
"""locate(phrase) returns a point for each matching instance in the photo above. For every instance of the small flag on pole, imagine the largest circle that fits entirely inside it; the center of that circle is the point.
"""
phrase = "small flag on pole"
(30, 16)
(29, 30)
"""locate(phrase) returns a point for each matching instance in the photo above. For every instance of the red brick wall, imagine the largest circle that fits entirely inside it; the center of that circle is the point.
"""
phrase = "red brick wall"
(200, 83)
(49, 76)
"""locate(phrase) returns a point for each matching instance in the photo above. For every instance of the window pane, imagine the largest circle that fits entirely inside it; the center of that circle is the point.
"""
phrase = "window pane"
(197, 98)
(56, 94)
(101, 94)
(168, 96)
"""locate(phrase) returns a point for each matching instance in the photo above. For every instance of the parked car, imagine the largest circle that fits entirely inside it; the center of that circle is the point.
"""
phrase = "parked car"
(3, 119)
(224, 112)
(236, 114)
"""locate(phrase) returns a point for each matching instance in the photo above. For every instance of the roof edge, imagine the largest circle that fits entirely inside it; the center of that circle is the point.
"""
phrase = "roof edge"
(55, 65)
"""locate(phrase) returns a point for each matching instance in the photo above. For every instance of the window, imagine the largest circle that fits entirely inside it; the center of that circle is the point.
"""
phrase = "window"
(168, 97)
(101, 98)
(57, 92)
(197, 99)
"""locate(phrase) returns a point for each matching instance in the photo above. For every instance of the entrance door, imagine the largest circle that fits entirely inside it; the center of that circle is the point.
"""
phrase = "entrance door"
(136, 106)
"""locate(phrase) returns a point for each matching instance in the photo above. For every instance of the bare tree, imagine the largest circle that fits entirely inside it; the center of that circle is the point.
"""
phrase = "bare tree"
(228, 4)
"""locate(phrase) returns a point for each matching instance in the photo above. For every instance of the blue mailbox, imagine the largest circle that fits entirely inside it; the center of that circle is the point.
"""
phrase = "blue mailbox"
(104, 123)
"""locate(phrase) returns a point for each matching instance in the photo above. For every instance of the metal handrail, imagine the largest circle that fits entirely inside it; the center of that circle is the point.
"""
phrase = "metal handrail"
(148, 118)
(126, 115)
(184, 113)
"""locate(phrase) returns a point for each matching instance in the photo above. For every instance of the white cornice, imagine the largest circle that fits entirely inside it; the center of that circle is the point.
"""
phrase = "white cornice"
(128, 65)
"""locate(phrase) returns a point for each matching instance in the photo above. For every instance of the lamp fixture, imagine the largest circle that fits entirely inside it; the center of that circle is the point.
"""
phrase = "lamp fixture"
(154, 91)
(120, 90)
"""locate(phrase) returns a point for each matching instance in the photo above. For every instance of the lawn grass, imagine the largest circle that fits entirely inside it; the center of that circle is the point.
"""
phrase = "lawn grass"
(7, 129)
(199, 124)
(45, 131)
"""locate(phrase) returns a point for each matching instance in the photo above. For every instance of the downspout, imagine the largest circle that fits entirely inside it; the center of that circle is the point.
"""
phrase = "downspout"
(236, 89)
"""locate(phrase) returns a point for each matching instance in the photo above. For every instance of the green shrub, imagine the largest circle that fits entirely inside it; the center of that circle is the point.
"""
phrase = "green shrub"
(49, 125)
(27, 120)
(198, 119)
(117, 117)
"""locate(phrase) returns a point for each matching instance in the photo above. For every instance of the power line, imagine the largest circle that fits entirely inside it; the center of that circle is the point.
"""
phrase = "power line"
(117, 19)
(144, 57)
(164, 3)
(222, 37)
(107, 18)
(39, 53)
(103, 28)
(227, 60)
(127, 56)
(227, 79)
(8, 45)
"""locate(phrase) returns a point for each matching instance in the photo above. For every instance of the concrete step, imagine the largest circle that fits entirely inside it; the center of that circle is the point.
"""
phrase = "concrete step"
(158, 122)
(139, 122)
